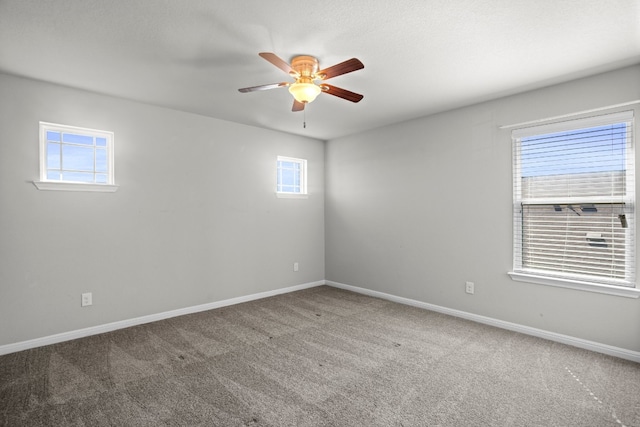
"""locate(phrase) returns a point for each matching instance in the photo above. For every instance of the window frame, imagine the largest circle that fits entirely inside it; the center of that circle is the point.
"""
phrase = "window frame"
(303, 194)
(44, 183)
(518, 273)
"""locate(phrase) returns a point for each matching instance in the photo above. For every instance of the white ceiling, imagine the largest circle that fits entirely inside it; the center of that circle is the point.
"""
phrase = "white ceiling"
(420, 56)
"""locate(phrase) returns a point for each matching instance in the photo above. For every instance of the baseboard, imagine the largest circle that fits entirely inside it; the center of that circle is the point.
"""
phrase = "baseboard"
(540, 333)
(94, 330)
(622, 353)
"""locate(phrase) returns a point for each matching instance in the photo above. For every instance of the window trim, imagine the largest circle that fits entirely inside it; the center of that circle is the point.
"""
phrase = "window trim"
(516, 273)
(46, 184)
(303, 194)
(622, 291)
(291, 195)
(75, 186)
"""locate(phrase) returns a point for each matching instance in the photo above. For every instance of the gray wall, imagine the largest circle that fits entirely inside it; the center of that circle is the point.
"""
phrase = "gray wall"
(195, 219)
(416, 209)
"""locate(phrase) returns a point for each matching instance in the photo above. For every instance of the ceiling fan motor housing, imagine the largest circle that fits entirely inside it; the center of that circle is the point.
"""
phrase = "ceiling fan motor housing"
(305, 66)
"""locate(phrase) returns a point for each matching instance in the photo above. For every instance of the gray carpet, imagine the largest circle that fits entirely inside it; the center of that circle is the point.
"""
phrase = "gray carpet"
(318, 357)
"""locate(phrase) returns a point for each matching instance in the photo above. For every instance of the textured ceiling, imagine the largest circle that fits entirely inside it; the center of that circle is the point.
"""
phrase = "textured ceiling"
(420, 56)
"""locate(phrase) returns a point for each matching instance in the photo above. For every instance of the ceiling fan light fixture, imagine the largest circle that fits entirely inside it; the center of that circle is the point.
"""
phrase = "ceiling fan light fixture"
(304, 92)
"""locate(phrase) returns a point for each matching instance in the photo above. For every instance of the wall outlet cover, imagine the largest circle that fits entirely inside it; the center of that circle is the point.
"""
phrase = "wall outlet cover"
(469, 287)
(87, 299)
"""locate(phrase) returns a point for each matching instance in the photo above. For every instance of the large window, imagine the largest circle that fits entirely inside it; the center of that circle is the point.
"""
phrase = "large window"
(75, 158)
(291, 176)
(574, 198)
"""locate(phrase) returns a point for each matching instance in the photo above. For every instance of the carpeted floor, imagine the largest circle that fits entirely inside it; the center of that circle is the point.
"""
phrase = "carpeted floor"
(318, 357)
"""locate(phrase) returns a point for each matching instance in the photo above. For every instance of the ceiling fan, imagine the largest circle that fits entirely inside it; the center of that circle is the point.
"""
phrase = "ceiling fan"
(304, 69)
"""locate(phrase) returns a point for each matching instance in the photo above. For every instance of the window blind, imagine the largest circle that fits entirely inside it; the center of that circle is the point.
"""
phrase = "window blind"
(574, 198)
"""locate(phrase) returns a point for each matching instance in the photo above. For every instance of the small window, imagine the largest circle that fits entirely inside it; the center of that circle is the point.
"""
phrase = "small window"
(291, 176)
(574, 202)
(73, 158)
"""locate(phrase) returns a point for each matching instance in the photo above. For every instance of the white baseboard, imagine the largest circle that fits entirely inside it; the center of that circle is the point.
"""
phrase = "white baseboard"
(622, 353)
(94, 330)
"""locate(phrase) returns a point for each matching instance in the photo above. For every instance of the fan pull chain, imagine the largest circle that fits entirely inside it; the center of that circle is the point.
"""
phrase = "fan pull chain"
(304, 120)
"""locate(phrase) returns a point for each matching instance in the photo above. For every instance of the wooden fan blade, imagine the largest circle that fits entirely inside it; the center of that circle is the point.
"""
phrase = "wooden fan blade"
(297, 106)
(345, 67)
(262, 87)
(341, 93)
(278, 62)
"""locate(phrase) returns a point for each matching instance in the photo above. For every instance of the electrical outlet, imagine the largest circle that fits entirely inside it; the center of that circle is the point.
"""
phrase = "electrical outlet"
(469, 287)
(87, 299)
(295, 266)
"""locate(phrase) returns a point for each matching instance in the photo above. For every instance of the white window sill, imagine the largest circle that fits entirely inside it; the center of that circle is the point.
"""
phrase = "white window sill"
(576, 284)
(74, 186)
(292, 196)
